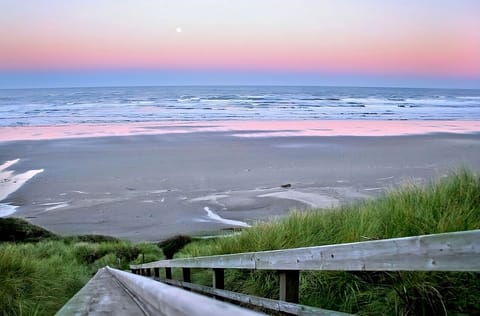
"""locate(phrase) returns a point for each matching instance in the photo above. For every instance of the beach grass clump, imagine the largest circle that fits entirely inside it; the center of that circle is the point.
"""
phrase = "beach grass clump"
(148, 252)
(35, 279)
(172, 245)
(19, 230)
(89, 238)
(38, 278)
(450, 204)
(90, 252)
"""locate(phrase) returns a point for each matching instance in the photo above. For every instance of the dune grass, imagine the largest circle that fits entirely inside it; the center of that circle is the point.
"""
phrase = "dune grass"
(37, 278)
(450, 204)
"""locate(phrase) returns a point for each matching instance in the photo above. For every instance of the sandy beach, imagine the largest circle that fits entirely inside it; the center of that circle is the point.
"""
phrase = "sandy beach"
(149, 187)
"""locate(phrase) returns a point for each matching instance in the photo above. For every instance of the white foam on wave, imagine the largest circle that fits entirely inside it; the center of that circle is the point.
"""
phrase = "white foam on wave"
(79, 192)
(10, 182)
(213, 216)
(55, 207)
(311, 199)
(8, 163)
(7, 209)
(469, 97)
(373, 189)
(211, 198)
(51, 203)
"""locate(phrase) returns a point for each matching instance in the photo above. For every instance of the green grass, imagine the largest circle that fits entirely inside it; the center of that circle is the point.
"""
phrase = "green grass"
(451, 204)
(16, 229)
(38, 278)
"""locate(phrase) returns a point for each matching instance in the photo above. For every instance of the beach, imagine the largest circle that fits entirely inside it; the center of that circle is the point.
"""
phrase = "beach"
(150, 187)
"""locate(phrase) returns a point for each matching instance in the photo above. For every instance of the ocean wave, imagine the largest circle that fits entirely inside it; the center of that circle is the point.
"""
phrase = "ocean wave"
(108, 105)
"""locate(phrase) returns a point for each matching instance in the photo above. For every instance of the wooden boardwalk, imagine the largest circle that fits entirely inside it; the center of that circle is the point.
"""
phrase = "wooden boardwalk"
(102, 295)
(115, 292)
(118, 293)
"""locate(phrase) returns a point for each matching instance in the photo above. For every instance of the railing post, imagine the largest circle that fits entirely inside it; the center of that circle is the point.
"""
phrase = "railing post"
(289, 285)
(218, 279)
(168, 273)
(186, 275)
(156, 272)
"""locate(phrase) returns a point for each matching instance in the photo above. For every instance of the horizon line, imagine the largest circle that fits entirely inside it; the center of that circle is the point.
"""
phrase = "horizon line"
(238, 85)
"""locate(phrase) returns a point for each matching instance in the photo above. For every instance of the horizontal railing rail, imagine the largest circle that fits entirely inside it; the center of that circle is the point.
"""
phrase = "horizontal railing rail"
(115, 292)
(265, 303)
(455, 251)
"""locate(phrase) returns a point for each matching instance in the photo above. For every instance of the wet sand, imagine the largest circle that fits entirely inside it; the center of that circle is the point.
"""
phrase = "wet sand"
(154, 186)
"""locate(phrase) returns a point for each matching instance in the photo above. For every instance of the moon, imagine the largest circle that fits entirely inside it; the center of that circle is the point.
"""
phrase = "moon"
(178, 29)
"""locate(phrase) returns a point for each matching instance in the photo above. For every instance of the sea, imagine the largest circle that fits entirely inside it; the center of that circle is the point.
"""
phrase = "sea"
(34, 107)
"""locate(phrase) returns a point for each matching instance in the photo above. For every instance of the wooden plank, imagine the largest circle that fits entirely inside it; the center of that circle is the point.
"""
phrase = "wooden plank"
(157, 298)
(289, 285)
(102, 295)
(458, 251)
(272, 305)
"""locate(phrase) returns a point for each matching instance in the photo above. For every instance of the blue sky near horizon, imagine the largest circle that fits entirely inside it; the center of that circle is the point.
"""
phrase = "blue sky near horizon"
(66, 79)
(408, 43)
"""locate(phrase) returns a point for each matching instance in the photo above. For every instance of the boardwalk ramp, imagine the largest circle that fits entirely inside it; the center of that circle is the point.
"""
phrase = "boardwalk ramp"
(115, 292)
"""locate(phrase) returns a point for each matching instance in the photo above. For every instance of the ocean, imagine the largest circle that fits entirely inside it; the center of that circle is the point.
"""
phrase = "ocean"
(33, 107)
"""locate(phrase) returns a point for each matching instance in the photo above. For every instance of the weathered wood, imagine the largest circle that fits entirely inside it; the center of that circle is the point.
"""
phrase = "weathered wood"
(272, 305)
(156, 298)
(168, 273)
(459, 251)
(102, 295)
(219, 279)
(156, 272)
(289, 285)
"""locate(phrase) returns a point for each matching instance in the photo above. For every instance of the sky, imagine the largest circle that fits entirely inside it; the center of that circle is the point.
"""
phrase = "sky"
(428, 43)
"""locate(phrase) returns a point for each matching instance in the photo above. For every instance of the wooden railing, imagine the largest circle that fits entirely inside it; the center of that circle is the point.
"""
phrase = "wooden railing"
(457, 251)
(116, 292)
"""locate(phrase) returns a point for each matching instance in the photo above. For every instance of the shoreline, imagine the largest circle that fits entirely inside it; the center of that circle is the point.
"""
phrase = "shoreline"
(240, 128)
(151, 187)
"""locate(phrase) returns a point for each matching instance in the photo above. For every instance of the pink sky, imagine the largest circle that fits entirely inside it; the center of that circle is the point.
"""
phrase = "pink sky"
(392, 37)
